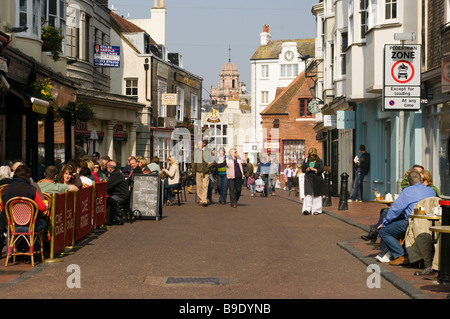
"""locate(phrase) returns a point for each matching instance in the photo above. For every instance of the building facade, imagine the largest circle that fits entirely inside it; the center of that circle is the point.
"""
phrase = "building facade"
(353, 35)
(275, 64)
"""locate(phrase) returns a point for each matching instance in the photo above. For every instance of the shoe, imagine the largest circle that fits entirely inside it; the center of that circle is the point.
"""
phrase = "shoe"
(234, 205)
(427, 271)
(384, 259)
(431, 276)
(359, 201)
(306, 213)
(349, 201)
(372, 235)
(317, 213)
(402, 260)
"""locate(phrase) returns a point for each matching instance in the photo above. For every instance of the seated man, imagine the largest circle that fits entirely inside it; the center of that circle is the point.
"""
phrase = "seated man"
(49, 185)
(396, 221)
(118, 192)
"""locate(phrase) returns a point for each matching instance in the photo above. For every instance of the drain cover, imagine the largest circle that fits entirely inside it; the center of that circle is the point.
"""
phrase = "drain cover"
(193, 280)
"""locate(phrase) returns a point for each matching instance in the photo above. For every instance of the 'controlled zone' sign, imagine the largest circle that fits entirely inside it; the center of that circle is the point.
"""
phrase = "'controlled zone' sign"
(402, 77)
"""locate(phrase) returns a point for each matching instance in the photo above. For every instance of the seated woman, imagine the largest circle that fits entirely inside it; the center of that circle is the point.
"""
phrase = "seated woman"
(428, 181)
(172, 180)
(143, 164)
(69, 176)
(20, 186)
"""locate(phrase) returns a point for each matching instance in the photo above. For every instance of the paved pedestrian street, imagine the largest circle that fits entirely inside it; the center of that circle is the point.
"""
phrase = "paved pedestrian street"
(263, 249)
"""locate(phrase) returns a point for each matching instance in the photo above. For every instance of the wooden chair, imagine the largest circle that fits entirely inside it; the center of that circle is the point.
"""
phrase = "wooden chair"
(181, 188)
(21, 214)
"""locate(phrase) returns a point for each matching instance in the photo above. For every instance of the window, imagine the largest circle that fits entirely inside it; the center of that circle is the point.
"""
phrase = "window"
(363, 5)
(87, 40)
(264, 71)
(194, 106)
(162, 109)
(293, 151)
(28, 14)
(218, 133)
(447, 12)
(289, 70)
(131, 87)
(180, 105)
(390, 9)
(304, 112)
(264, 97)
(162, 150)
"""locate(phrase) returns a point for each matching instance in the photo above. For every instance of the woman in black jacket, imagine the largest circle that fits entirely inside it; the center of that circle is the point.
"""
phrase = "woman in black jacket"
(314, 185)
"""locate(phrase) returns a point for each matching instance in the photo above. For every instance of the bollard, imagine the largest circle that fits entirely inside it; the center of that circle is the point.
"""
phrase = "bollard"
(343, 205)
(444, 255)
(327, 198)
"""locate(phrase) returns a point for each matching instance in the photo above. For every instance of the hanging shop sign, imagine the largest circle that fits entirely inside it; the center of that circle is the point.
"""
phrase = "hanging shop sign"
(314, 107)
(402, 77)
(169, 99)
(107, 56)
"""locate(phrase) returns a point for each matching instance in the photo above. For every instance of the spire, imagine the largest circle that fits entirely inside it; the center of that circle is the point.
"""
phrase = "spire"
(229, 53)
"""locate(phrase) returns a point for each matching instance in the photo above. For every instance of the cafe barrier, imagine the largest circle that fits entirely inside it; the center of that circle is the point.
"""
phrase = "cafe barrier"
(74, 215)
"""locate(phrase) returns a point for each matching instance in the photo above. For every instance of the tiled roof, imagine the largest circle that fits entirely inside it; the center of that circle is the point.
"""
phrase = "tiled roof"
(123, 24)
(280, 104)
(273, 49)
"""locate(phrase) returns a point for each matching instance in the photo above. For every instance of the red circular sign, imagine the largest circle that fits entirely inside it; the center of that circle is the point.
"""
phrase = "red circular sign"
(406, 70)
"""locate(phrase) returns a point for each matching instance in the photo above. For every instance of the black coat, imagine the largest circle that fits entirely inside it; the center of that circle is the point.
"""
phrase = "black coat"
(314, 183)
(117, 185)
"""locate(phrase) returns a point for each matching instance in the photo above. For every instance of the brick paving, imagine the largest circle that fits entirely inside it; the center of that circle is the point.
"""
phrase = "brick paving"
(359, 215)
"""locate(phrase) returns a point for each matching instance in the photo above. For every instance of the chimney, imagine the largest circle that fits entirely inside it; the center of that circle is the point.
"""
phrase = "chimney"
(265, 35)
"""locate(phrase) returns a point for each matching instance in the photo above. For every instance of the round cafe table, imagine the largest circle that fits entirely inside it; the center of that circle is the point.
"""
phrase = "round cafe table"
(382, 201)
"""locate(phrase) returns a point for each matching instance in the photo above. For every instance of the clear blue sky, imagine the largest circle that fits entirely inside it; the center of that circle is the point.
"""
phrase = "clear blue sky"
(202, 30)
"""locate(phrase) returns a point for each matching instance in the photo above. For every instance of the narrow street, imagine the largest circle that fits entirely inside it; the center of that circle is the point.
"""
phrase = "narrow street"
(263, 249)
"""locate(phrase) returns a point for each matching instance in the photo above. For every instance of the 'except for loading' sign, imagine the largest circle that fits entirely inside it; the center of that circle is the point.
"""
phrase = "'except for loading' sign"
(402, 71)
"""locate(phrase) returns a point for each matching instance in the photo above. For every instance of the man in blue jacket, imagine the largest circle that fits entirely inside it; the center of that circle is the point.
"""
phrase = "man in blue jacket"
(396, 221)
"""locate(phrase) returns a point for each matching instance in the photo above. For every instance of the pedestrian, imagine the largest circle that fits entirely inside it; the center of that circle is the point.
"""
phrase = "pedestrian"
(222, 180)
(314, 185)
(118, 192)
(235, 174)
(201, 167)
(362, 165)
(263, 171)
(274, 174)
(288, 174)
(248, 172)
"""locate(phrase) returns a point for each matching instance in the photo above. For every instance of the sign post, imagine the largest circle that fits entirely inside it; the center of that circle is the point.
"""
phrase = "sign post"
(402, 77)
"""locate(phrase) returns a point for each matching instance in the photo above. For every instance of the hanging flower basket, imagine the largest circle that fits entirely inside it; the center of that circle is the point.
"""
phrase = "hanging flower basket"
(83, 112)
(52, 41)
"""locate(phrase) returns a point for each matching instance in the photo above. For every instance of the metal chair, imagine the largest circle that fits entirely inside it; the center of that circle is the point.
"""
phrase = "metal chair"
(181, 188)
(21, 214)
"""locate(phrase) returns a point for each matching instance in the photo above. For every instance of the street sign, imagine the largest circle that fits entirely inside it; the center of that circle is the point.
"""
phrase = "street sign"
(402, 77)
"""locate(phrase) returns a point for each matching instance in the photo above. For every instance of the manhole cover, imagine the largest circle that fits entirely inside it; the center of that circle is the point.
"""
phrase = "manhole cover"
(193, 280)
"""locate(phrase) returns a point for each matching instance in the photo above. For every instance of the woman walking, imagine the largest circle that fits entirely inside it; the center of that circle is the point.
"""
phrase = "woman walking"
(235, 174)
(222, 180)
(314, 186)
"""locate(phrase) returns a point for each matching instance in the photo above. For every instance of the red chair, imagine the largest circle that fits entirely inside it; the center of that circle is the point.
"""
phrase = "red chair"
(21, 214)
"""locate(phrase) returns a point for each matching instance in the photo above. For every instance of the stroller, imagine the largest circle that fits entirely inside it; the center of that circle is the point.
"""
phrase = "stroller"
(260, 186)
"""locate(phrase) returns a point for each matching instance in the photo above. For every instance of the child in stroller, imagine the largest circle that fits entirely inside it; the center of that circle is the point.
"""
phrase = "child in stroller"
(260, 186)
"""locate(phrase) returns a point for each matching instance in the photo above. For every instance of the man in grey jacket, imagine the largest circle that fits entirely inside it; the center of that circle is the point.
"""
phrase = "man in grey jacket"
(274, 173)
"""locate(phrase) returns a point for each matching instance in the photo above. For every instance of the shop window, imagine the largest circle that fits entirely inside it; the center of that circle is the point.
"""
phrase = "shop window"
(293, 151)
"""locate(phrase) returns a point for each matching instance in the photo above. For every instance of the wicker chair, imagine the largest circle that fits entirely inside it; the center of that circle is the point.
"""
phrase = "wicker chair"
(21, 214)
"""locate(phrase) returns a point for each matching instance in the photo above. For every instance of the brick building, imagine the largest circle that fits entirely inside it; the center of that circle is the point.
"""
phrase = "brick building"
(289, 124)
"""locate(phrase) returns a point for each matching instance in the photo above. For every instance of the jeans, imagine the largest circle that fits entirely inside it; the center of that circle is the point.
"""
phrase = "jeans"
(252, 188)
(222, 185)
(272, 183)
(388, 235)
(357, 191)
(168, 194)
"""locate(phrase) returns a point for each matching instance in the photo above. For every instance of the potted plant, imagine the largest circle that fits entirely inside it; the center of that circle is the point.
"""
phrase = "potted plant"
(42, 89)
(52, 41)
(83, 112)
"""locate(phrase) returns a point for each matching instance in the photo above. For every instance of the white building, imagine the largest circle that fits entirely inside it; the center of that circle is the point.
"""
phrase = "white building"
(275, 64)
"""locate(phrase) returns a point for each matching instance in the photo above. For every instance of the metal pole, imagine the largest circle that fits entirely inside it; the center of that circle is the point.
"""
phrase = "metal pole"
(401, 122)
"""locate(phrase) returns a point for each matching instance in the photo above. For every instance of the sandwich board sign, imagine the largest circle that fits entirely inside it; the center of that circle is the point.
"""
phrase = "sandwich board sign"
(402, 77)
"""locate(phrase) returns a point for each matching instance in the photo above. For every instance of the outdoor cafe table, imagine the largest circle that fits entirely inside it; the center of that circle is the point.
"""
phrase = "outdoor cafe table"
(382, 201)
(433, 218)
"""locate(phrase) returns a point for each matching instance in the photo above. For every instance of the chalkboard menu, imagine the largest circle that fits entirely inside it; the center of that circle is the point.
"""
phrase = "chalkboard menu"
(146, 195)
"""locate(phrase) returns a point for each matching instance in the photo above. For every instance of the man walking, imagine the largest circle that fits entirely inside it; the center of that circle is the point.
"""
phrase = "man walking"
(362, 165)
(201, 170)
